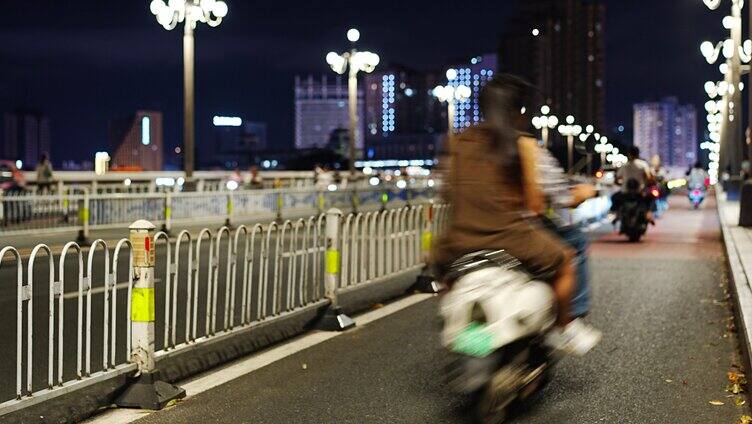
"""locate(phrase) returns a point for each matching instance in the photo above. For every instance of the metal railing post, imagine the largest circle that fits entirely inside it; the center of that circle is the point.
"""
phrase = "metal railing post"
(321, 202)
(426, 281)
(333, 319)
(146, 390)
(83, 217)
(230, 206)
(167, 225)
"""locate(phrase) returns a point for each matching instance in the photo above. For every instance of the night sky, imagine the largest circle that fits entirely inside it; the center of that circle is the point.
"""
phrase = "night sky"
(83, 62)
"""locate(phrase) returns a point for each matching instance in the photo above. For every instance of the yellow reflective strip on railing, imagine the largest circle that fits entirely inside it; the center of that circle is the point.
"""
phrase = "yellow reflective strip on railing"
(332, 261)
(83, 214)
(142, 305)
(168, 212)
(427, 239)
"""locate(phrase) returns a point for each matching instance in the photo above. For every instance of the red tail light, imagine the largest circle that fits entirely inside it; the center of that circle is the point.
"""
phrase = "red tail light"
(655, 192)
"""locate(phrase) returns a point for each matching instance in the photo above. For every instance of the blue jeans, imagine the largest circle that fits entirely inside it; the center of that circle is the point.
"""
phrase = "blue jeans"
(577, 239)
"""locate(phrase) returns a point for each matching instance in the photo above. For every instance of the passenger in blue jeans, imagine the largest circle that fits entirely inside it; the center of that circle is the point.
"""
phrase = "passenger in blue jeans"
(558, 187)
(577, 239)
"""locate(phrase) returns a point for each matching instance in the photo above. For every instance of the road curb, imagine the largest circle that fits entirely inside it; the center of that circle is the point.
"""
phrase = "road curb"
(738, 283)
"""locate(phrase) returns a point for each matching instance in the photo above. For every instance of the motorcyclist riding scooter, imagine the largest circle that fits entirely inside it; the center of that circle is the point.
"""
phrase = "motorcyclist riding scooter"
(697, 183)
(632, 205)
(501, 324)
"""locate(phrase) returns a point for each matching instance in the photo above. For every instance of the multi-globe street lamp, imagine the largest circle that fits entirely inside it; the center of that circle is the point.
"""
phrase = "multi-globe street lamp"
(570, 130)
(604, 148)
(451, 95)
(544, 122)
(353, 61)
(589, 132)
(724, 125)
(191, 12)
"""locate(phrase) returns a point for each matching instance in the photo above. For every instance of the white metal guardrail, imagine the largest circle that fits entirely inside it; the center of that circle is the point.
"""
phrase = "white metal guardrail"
(208, 284)
(84, 211)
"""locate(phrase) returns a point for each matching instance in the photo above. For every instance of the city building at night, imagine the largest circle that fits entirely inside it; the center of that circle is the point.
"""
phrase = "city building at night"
(234, 142)
(136, 142)
(474, 74)
(559, 46)
(403, 118)
(320, 108)
(668, 130)
(26, 136)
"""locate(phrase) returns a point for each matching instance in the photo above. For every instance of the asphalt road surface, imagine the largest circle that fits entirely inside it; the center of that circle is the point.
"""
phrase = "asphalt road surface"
(667, 347)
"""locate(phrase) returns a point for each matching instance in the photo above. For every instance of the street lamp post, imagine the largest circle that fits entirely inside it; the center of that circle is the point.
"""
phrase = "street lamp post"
(544, 122)
(727, 127)
(352, 62)
(604, 148)
(451, 94)
(570, 130)
(210, 12)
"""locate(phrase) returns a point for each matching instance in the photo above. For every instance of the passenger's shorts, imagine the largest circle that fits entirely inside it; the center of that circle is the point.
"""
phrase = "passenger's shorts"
(541, 252)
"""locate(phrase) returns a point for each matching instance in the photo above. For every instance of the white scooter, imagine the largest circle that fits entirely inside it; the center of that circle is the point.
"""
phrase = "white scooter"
(496, 318)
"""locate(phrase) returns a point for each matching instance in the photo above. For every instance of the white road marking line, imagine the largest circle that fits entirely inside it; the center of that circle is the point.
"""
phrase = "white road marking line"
(241, 367)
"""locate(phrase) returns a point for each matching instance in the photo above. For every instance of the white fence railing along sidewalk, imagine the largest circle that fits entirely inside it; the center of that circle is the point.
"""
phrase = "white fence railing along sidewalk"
(204, 285)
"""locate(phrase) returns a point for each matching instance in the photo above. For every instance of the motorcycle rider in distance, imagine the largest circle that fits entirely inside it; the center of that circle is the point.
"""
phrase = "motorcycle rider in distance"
(635, 169)
(492, 183)
(697, 177)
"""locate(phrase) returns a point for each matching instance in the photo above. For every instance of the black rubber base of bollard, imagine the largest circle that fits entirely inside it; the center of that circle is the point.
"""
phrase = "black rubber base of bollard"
(426, 283)
(334, 320)
(147, 391)
(165, 230)
(82, 240)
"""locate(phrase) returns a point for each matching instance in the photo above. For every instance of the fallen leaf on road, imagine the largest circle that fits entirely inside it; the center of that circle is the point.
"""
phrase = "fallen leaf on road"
(305, 366)
(684, 382)
(745, 419)
(716, 402)
(669, 381)
(377, 306)
(739, 401)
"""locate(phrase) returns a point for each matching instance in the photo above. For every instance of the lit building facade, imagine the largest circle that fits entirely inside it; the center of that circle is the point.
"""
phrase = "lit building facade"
(321, 108)
(473, 74)
(26, 137)
(668, 130)
(136, 142)
(403, 119)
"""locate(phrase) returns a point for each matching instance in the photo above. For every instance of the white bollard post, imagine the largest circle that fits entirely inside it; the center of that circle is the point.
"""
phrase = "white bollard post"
(426, 282)
(333, 319)
(146, 391)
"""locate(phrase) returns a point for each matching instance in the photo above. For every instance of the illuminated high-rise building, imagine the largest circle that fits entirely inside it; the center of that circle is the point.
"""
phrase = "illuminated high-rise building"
(403, 119)
(321, 108)
(474, 74)
(668, 130)
(26, 137)
(136, 142)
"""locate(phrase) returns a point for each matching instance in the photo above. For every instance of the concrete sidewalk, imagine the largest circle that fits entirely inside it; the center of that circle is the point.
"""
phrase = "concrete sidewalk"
(738, 246)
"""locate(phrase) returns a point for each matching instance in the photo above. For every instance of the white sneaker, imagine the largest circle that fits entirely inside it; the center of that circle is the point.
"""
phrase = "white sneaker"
(576, 339)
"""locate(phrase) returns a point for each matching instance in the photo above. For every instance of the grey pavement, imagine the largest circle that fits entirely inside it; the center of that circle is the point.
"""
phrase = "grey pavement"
(662, 305)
